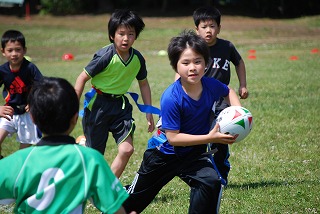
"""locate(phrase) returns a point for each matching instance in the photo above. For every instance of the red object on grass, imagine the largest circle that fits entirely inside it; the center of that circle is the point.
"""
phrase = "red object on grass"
(252, 51)
(67, 57)
(252, 57)
(315, 50)
(294, 58)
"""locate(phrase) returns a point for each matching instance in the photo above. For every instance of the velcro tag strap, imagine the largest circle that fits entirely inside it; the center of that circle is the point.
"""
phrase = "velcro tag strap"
(157, 139)
(144, 108)
(211, 152)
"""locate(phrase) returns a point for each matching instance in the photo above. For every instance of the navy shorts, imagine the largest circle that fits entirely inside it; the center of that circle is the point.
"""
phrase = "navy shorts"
(107, 114)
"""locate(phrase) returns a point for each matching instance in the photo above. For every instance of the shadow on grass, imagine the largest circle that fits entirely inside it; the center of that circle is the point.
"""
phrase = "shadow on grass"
(256, 185)
(163, 198)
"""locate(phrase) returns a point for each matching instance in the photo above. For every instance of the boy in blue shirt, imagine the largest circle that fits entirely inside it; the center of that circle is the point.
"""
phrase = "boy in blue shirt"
(185, 112)
(222, 54)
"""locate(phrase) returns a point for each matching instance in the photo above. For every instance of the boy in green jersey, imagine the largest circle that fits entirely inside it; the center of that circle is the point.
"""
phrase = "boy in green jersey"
(111, 72)
(57, 175)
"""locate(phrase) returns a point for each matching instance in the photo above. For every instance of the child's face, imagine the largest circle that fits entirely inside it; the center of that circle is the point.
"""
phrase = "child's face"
(124, 38)
(191, 66)
(208, 30)
(14, 53)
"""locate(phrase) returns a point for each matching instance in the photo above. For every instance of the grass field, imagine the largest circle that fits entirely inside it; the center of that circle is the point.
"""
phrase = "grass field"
(276, 168)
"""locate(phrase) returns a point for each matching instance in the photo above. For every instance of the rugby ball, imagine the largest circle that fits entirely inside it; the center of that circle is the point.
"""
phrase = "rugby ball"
(236, 121)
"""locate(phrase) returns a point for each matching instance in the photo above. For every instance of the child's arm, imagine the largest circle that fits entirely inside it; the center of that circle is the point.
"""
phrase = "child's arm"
(121, 211)
(241, 72)
(6, 112)
(80, 83)
(146, 97)
(181, 139)
(232, 99)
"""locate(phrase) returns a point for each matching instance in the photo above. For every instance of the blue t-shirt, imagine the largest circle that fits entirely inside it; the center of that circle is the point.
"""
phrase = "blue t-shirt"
(180, 112)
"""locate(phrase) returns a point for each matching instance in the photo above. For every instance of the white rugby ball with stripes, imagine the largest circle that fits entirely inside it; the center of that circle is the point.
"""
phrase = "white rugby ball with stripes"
(236, 121)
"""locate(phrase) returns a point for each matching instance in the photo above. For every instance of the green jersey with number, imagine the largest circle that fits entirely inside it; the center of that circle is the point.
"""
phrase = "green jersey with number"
(59, 176)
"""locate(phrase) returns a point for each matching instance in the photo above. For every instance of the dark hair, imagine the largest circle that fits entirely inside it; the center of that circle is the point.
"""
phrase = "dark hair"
(52, 103)
(186, 39)
(13, 35)
(206, 13)
(127, 18)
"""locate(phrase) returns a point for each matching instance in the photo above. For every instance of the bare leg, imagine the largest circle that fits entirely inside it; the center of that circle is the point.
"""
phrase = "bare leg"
(24, 145)
(3, 135)
(125, 150)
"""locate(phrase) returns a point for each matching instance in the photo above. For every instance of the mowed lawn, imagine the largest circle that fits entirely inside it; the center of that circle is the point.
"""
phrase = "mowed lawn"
(276, 168)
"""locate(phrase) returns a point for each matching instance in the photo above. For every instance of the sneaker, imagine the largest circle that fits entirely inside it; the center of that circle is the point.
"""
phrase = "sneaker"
(126, 187)
(81, 140)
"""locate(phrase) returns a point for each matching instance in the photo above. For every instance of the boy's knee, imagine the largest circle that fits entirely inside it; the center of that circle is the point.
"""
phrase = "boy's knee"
(126, 150)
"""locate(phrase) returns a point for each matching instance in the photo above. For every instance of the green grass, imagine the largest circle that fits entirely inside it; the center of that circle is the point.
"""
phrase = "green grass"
(276, 168)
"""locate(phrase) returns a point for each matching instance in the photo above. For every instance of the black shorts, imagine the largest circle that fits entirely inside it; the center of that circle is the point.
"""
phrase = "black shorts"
(107, 114)
(157, 169)
(221, 157)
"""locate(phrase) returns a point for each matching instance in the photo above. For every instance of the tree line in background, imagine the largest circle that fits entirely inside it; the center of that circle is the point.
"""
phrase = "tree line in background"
(260, 8)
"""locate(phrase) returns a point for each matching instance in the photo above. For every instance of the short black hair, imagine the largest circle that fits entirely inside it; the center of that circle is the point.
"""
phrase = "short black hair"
(206, 13)
(52, 103)
(13, 35)
(127, 18)
(187, 39)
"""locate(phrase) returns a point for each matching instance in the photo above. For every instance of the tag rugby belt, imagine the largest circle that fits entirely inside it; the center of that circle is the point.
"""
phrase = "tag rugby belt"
(143, 108)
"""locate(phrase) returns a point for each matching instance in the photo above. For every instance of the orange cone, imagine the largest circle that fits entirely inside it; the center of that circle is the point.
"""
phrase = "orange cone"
(293, 58)
(252, 57)
(67, 57)
(252, 54)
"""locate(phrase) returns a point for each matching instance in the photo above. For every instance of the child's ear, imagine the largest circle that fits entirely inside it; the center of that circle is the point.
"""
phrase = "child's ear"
(219, 28)
(74, 119)
(73, 122)
(196, 28)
